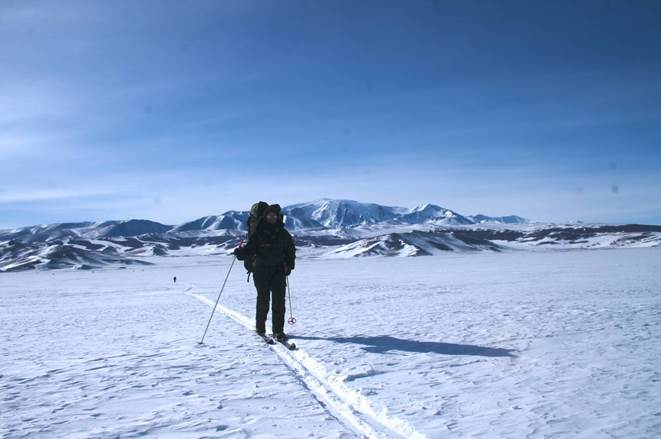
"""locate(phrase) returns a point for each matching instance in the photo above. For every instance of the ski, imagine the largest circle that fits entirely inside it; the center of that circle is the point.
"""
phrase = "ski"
(288, 344)
(267, 339)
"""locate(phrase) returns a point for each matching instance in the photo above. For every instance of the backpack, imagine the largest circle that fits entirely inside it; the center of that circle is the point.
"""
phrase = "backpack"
(255, 217)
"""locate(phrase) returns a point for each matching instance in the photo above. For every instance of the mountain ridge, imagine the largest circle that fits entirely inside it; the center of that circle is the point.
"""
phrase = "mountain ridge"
(321, 213)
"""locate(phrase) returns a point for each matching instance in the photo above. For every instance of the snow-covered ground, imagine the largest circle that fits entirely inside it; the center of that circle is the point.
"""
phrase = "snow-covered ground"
(514, 344)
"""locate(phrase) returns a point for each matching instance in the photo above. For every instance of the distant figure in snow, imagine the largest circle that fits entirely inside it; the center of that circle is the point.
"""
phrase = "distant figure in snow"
(174, 279)
(270, 255)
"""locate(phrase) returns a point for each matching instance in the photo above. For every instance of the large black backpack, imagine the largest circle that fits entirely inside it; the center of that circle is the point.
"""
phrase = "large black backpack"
(255, 217)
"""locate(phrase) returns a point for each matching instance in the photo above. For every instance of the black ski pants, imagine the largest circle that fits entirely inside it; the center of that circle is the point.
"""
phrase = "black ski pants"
(270, 279)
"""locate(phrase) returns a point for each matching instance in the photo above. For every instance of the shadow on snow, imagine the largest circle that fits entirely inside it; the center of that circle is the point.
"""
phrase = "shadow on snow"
(382, 344)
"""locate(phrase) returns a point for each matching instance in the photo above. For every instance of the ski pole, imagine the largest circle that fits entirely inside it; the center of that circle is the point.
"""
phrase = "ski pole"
(291, 320)
(217, 300)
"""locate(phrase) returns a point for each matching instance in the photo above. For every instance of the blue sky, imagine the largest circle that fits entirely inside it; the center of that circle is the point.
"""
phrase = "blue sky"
(173, 110)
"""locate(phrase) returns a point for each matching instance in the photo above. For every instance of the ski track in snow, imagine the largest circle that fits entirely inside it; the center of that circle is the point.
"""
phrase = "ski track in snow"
(111, 354)
(329, 388)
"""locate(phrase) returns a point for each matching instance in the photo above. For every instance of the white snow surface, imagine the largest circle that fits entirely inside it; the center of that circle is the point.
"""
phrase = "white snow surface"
(507, 345)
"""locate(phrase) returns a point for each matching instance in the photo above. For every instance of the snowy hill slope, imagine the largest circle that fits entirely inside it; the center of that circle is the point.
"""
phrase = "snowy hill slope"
(25, 252)
(421, 243)
(415, 243)
(15, 256)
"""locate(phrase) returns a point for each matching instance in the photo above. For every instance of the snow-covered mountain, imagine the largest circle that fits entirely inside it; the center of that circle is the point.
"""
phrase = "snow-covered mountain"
(324, 228)
(230, 221)
(134, 227)
(430, 213)
(485, 219)
(341, 213)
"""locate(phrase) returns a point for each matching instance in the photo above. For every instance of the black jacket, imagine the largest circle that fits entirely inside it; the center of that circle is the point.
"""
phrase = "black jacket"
(270, 245)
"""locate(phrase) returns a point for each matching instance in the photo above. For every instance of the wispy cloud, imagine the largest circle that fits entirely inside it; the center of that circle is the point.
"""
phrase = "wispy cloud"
(29, 196)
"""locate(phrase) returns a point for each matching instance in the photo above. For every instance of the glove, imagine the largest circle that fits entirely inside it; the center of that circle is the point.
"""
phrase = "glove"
(286, 268)
(239, 253)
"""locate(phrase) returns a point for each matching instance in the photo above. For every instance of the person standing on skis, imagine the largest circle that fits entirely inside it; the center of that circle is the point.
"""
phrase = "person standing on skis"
(270, 254)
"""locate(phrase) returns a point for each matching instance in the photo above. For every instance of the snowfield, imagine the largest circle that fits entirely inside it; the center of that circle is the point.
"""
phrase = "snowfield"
(514, 344)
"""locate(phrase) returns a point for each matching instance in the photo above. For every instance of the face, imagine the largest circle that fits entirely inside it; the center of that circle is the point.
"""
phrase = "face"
(272, 217)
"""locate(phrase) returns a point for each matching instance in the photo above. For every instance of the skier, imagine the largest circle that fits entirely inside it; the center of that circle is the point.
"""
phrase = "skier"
(175, 279)
(270, 255)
